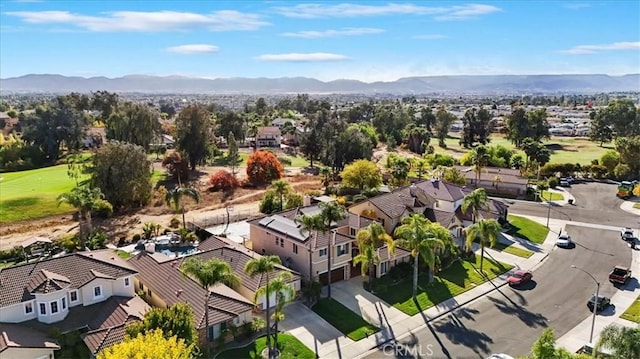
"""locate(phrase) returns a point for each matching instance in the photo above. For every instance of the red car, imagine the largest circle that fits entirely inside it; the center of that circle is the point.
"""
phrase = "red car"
(519, 277)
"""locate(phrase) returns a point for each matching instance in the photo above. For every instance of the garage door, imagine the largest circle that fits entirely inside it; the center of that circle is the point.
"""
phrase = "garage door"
(336, 276)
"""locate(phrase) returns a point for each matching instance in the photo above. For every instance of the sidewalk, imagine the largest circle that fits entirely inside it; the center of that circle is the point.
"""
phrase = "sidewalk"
(627, 206)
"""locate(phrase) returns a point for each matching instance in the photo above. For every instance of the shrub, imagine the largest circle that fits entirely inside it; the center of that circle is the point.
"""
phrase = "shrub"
(437, 159)
(622, 171)
(553, 182)
(286, 161)
(13, 253)
(174, 223)
(223, 180)
(96, 240)
(70, 243)
(136, 237)
(102, 208)
(263, 167)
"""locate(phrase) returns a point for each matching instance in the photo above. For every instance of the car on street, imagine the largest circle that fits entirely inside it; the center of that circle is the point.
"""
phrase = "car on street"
(619, 275)
(626, 234)
(601, 303)
(564, 240)
(519, 277)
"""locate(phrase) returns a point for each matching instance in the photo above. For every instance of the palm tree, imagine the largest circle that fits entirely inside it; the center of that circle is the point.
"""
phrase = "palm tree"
(284, 292)
(330, 212)
(174, 196)
(623, 341)
(475, 201)
(423, 239)
(308, 224)
(186, 235)
(486, 231)
(368, 240)
(151, 229)
(281, 188)
(208, 274)
(479, 158)
(421, 166)
(264, 265)
(83, 199)
(325, 174)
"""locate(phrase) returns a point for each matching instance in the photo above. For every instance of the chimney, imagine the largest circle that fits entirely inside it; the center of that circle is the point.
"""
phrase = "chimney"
(412, 190)
(306, 200)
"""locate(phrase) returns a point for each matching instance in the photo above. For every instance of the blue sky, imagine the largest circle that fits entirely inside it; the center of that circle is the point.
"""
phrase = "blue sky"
(363, 40)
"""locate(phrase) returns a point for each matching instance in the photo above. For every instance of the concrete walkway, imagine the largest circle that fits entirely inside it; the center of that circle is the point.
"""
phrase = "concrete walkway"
(627, 206)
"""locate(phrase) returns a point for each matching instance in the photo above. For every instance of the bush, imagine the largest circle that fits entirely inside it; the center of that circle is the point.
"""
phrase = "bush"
(70, 243)
(136, 238)
(437, 159)
(96, 240)
(263, 167)
(622, 171)
(223, 180)
(553, 182)
(13, 253)
(286, 161)
(174, 223)
(102, 208)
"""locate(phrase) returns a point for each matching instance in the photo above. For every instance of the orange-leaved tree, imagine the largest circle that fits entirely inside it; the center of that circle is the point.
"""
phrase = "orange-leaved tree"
(263, 167)
(222, 180)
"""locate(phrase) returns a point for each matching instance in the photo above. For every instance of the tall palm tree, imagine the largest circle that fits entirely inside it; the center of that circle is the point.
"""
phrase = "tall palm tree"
(423, 239)
(307, 224)
(208, 274)
(486, 231)
(623, 341)
(475, 201)
(368, 240)
(325, 174)
(83, 199)
(264, 265)
(281, 188)
(421, 166)
(330, 212)
(284, 293)
(479, 158)
(173, 198)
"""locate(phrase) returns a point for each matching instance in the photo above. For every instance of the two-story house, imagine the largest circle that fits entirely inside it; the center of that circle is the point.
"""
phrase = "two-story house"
(268, 137)
(61, 292)
(500, 181)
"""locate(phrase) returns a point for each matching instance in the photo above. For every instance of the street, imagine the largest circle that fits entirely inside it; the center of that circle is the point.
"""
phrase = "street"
(510, 320)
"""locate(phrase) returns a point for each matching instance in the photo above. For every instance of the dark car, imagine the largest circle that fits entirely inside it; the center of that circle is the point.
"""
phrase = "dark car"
(602, 303)
(519, 277)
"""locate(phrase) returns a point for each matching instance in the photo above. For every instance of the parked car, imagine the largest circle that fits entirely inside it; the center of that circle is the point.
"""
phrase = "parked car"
(564, 183)
(626, 234)
(519, 277)
(619, 275)
(500, 356)
(564, 241)
(602, 302)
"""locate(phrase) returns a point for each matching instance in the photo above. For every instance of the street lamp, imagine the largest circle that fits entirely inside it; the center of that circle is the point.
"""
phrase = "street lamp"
(548, 209)
(595, 300)
(229, 209)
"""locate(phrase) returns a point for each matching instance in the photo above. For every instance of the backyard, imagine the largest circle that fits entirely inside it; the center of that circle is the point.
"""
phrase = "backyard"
(458, 278)
(289, 346)
(343, 319)
(527, 229)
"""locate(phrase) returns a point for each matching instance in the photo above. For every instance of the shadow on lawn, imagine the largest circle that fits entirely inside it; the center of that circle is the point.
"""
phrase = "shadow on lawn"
(20, 202)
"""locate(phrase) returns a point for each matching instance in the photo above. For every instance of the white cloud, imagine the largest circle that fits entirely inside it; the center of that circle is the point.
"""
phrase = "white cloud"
(348, 31)
(138, 21)
(310, 11)
(193, 49)
(430, 37)
(590, 49)
(307, 57)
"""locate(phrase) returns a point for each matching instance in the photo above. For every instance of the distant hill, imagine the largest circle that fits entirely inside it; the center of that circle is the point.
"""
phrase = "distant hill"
(489, 84)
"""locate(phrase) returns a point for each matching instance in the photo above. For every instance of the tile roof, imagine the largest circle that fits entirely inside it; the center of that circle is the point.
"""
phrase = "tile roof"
(441, 190)
(20, 336)
(166, 280)
(76, 269)
(268, 130)
(99, 339)
(392, 204)
(384, 255)
(442, 217)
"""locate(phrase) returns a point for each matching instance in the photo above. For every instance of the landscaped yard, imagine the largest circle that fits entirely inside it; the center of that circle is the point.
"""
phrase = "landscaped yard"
(527, 229)
(633, 312)
(289, 346)
(346, 321)
(511, 249)
(552, 196)
(458, 278)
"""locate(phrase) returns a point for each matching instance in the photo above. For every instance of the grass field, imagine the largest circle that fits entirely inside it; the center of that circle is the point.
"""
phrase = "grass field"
(527, 229)
(32, 194)
(552, 196)
(346, 321)
(633, 312)
(563, 149)
(289, 346)
(458, 278)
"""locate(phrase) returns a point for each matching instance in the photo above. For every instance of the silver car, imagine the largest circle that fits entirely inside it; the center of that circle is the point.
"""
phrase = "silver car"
(564, 240)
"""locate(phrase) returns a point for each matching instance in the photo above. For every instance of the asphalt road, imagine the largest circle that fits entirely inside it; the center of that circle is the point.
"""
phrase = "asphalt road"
(510, 320)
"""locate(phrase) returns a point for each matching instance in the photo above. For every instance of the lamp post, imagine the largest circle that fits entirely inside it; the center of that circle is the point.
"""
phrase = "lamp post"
(595, 300)
(548, 209)
(229, 210)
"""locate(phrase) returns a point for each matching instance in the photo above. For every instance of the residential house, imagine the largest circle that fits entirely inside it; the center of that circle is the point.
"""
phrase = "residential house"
(164, 140)
(18, 341)
(85, 290)
(94, 137)
(268, 137)
(307, 252)
(162, 284)
(499, 181)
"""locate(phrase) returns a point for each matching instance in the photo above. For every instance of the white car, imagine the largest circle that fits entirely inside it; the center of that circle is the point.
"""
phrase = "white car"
(564, 240)
(626, 234)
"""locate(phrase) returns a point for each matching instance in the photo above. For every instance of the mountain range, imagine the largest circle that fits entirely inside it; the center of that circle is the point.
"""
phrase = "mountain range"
(463, 84)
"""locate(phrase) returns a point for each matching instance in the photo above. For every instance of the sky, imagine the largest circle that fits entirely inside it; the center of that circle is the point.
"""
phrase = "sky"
(361, 40)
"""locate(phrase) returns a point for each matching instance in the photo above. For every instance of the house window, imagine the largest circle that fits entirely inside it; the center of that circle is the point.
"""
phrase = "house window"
(381, 220)
(352, 231)
(28, 307)
(437, 204)
(277, 240)
(149, 292)
(210, 333)
(54, 307)
(295, 248)
(126, 282)
(383, 268)
(323, 252)
(73, 295)
(97, 292)
(343, 249)
(64, 303)
(43, 309)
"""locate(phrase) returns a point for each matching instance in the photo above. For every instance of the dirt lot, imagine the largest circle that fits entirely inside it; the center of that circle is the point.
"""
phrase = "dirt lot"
(127, 224)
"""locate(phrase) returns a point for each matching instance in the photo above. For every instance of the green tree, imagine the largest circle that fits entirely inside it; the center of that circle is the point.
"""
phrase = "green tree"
(281, 188)
(361, 174)
(629, 150)
(331, 213)
(83, 199)
(325, 174)
(623, 116)
(610, 160)
(516, 126)
(453, 175)
(209, 274)
(173, 199)
(537, 125)
(134, 123)
(176, 320)
(623, 341)
(311, 225)
(417, 138)
(443, 122)
(479, 158)
(400, 168)
(193, 127)
(263, 266)
(423, 239)
(601, 131)
(284, 292)
(233, 155)
(475, 201)
(369, 239)
(150, 345)
(123, 173)
(486, 232)
(151, 229)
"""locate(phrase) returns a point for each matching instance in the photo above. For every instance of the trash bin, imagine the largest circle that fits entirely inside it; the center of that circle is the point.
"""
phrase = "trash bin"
(570, 201)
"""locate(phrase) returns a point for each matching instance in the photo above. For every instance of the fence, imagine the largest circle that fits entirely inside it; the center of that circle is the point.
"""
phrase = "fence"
(218, 219)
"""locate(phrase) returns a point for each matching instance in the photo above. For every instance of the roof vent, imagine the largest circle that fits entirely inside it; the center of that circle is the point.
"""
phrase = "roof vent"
(178, 292)
(412, 190)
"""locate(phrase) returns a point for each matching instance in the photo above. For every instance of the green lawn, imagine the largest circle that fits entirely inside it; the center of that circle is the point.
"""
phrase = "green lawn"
(346, 321)
(32, 194)
(552, 196)
(158, 176)
(296, 161)
(289, 346)
(511, 249)
(458, 278)
(527, 229)
(633, 312)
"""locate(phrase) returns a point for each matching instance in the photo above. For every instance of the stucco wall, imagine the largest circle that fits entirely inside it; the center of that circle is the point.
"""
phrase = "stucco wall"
(26, 353)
